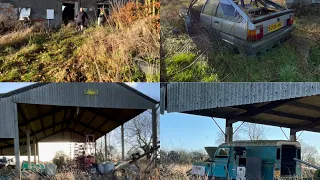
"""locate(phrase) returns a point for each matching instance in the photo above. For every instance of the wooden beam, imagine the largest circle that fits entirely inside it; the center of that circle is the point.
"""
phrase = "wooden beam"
(79, 118)
(305, 106)
(53, 118)
(41, 119)
(258, 110)
(25, 119)
(105, 116)
(289, 115)
(74, 131)
(93, 118)
(89, 126)
(308, 126)
(57, 110)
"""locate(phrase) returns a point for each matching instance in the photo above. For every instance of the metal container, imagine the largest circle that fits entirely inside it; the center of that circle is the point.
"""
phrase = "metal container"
(101, 168)
(108, 166)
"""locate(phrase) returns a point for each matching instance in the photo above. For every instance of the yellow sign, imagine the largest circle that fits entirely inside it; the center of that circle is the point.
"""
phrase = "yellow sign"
(275, 26)
(91, 92)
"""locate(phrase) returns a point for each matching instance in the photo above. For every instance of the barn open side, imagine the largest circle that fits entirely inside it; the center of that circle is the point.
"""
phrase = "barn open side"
(57, 112)
(291, 105)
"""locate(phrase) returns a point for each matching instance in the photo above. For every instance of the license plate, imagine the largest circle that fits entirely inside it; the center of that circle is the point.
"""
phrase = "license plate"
(277, 174)
(275, 26)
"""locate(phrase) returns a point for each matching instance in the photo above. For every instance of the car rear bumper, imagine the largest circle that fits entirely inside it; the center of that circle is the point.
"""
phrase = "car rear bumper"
(268, 41)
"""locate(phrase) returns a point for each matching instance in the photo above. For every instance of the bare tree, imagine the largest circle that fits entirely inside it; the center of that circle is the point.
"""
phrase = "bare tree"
(138, 133)
(112, 143)
(309, 153)
(253, 131)
(248, 131)
(221, 137)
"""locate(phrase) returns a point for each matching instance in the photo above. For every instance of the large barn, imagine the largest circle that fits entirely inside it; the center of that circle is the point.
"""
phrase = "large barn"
(53, 11)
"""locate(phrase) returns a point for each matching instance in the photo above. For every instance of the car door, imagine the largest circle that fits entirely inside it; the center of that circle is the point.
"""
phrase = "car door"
(221, 163)
(232, 24)
(207, 15)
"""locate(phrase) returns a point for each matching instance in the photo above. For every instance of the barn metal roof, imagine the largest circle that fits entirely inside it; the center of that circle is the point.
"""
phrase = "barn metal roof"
(291, 105)
(58, 112)
(259, 143)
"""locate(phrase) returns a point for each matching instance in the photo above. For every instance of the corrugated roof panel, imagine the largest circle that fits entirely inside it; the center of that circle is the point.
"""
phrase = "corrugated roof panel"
(6, 118)
(183, 97)
(101, 95)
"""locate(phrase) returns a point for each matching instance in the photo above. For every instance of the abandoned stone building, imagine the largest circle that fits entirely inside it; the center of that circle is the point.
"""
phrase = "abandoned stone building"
(55, 12)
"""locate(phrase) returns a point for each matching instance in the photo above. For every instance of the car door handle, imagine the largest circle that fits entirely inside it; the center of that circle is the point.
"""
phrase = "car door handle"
(217, 22)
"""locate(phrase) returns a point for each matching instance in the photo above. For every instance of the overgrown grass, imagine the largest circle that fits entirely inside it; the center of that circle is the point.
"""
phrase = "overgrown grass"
(196, 58)
(100, 54)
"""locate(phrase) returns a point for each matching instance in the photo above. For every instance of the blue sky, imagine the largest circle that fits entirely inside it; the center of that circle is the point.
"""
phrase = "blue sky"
(191, 132)
(9, 86)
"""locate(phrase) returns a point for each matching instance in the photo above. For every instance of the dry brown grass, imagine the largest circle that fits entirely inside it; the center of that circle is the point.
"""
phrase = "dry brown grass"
(16, 37)
(100, 54)
(110, 51)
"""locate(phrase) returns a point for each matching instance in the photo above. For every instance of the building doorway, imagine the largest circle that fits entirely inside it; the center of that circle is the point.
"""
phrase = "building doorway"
(68, 12)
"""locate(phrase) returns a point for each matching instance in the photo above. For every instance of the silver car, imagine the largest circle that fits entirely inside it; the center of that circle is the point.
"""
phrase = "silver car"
(251, 25)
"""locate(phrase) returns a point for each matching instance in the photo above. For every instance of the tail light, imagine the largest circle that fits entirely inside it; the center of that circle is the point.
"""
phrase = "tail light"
(255, 35)
(290, 21)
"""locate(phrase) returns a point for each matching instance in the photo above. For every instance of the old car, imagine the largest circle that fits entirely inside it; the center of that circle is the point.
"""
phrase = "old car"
(253, 26)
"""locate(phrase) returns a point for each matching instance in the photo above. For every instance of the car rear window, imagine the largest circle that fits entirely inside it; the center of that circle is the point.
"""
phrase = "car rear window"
(210, 7)
(228, 12)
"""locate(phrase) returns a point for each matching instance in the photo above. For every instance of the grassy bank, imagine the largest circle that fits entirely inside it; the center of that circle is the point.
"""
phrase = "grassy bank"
(196, 58)
(101, 54)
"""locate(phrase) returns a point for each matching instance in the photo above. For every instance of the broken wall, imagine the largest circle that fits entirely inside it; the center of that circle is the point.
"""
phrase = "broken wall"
(38, 9)
(8, 11)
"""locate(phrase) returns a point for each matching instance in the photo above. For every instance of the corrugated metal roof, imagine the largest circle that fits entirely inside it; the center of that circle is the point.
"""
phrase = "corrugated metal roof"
(182, 97)
(6, 118)
(291, 105)
(51, 108)
(108, 95)
(261, 143)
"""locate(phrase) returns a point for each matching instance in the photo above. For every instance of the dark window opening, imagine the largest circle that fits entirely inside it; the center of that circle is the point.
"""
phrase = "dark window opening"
(288, 165)
(67, 12)
(222, 153)
(278, 153)
(228, 12)
(298, 154)
(243, 162)
(106, 7)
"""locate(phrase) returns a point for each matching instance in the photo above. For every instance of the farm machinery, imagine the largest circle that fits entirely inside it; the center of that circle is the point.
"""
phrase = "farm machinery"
(251, 160)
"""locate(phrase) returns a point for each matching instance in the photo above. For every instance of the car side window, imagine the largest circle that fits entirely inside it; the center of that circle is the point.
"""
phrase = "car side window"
(210, 7)
(228, 12)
